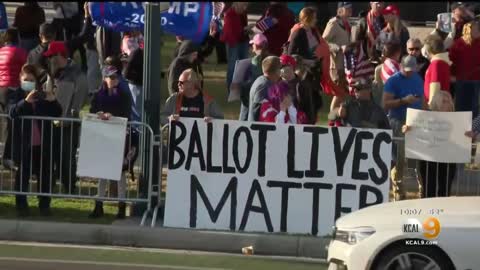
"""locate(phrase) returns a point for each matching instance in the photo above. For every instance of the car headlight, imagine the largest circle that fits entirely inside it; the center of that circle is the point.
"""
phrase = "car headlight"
(352, 236)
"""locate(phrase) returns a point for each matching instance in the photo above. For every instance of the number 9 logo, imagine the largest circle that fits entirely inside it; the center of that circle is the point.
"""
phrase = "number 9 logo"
(431, 228)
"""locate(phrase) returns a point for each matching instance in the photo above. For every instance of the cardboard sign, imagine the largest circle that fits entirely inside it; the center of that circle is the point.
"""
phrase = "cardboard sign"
(102, 146)
(438, 136)
(259, 177)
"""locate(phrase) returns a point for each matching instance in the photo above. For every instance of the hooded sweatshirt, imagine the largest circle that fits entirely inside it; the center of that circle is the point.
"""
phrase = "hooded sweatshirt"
(437, 76)
(181, 63)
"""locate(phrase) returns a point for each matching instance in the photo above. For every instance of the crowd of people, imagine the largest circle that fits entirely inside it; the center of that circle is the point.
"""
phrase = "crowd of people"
(373, 71)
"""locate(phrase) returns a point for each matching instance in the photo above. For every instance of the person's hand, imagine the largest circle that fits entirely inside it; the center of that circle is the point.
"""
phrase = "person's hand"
(286, 102)
(86, 10)
(49, 96)
(344, 48)
(208, 119)
(235, 87)
(471, 134)
(174, 117)
(342, 112)
(410, 99)
(274, 20)
(213, 29)
(406, 129)
(104, 116)
(31, 97)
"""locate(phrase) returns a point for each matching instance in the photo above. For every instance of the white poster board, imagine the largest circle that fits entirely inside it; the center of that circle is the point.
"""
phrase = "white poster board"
(259, 177)
(102, 146)
(241, 67)
(438, 136)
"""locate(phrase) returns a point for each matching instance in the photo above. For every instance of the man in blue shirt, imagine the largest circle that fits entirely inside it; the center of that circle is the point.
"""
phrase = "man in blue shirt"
(402, 90)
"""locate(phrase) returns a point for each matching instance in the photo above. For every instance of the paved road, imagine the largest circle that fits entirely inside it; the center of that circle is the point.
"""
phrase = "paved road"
(35, 256)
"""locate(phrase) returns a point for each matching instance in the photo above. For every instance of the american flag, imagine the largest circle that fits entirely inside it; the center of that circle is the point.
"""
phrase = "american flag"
(389, 68)
(265, 24)
(357, 66)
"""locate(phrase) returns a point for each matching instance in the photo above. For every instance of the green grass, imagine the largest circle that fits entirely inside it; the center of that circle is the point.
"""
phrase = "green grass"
(63, 210)
(133, 256)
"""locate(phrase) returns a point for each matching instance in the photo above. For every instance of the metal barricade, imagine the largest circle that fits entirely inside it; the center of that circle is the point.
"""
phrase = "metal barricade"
(40, 158)
(422, 179)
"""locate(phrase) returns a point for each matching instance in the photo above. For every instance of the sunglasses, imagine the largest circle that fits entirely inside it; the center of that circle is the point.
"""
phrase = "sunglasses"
(414, 49)
(181, 83)
(113, 77)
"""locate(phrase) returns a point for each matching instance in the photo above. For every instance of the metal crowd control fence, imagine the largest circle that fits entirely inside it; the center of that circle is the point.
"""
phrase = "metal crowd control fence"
(422, 179)
(40, 158)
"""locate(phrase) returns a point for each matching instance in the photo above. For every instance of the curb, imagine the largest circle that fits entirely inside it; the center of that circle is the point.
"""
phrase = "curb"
(162, 238)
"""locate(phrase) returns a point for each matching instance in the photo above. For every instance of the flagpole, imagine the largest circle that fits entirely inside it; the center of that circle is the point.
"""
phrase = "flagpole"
(151, 98)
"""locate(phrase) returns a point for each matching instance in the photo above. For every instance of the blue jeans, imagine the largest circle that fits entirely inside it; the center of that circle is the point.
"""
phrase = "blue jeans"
(238, 52)
(466, 96)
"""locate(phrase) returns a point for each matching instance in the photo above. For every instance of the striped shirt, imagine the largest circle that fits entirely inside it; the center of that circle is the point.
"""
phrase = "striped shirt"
(357, 66)
(389, 68)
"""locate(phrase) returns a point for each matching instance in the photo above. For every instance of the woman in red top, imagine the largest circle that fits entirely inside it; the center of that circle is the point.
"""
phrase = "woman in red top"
(437, 76)
(279, 108)
(235, 36)
(12, 58)
(465, 55)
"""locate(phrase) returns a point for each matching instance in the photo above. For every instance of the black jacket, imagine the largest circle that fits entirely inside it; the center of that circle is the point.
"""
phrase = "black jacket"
(108, 43)
(181, 63)
(23, 127)
(133, 72)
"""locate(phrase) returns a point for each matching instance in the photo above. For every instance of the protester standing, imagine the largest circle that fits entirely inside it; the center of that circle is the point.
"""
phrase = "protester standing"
(28, 19)
(278, 107)
(12, 58)
(337, 34)
(271, 74)
(437, 76)
(275, 24)
(110, 101)
(395, 31)
(191, 101)
(436, 177)
(259, 45)
(414, 48)
(465, 57)
(373, 23)
(35, 139)
(235, 36)
(306, 41)
(70, 86)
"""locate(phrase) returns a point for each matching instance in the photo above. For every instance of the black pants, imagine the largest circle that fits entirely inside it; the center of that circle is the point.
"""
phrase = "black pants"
(435, 176)
(66, 141)
(38, 161)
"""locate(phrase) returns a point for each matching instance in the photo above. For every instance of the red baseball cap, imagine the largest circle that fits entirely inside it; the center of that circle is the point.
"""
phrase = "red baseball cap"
(391, 10)
(288, 60)
(56, 47)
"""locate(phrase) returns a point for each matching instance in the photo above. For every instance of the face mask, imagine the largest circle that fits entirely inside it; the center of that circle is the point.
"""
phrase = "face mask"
(27, 86)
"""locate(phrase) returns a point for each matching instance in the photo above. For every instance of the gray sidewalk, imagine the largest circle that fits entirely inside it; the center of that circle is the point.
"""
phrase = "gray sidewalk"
(129, 233)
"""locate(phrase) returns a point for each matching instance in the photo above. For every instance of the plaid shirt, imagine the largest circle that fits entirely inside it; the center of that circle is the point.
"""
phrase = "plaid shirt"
(476, 124)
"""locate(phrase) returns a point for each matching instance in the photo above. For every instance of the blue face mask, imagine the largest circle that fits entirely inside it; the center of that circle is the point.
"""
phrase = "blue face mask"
(27, 86)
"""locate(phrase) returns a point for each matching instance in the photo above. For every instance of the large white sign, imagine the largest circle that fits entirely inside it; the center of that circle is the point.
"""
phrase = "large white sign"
(258, 177)
(102, 146)
(438, 136)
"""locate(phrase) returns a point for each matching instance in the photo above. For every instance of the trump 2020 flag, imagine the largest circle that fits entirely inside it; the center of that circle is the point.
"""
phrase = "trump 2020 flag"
(188, 19)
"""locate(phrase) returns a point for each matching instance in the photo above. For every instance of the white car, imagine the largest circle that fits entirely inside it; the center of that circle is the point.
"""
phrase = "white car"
(403, 235)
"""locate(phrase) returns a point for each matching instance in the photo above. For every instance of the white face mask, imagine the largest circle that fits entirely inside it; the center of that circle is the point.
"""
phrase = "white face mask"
(27, 86)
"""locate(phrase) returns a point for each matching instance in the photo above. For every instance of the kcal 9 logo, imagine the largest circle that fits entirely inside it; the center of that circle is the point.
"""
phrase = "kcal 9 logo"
(430, 228)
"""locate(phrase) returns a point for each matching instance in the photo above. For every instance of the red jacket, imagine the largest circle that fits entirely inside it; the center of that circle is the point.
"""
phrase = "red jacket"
(269, 114)
(233, 28)
(437, 76)
(466, 60)
(279, 33)
(11, 61)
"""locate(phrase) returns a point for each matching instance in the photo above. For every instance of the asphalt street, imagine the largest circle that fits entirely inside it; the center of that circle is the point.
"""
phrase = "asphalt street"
(37, 256)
